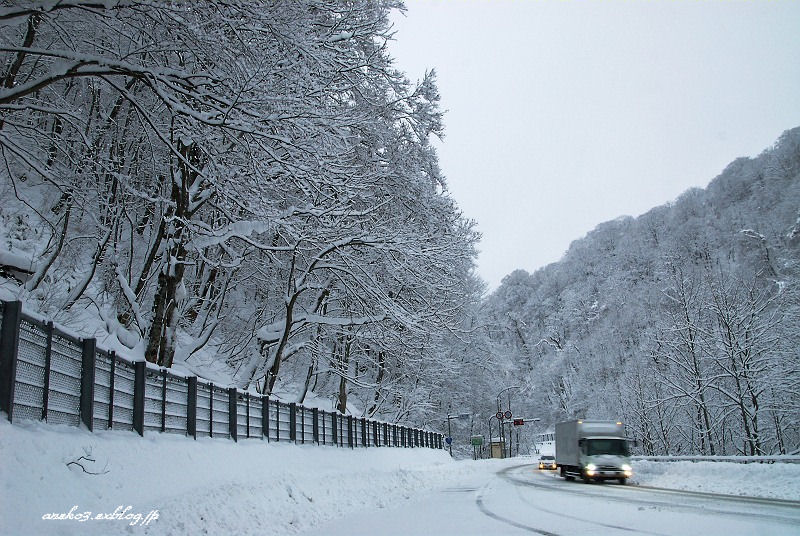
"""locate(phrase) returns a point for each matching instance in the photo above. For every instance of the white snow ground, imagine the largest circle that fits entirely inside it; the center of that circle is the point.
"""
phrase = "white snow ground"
(212, 486)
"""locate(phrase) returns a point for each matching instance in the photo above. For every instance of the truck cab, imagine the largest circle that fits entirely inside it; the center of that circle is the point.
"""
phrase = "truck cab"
(604, 458)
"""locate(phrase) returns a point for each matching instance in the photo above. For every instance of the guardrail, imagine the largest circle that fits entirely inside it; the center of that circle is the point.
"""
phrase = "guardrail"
(47, 374)
(730, 459)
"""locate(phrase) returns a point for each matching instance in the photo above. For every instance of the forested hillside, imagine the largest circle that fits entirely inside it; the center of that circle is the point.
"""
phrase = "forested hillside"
(249, 181)
(683, 321)
(247, 191)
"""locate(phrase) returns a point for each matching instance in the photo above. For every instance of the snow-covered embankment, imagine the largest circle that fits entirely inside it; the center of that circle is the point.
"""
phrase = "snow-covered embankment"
(197, 487)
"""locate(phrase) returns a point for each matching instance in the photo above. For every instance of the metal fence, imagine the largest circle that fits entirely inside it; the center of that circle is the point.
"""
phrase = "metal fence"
(46, 374)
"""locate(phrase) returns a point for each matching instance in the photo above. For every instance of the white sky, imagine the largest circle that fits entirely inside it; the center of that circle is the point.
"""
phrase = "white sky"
(563, 114)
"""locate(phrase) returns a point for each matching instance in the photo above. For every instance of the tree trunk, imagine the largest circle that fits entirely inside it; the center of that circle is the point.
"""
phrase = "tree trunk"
(344, 365)
(381, 373)
(170, 291)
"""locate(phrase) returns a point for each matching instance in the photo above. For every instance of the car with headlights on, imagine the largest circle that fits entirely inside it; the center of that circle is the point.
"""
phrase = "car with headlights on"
(547, 462)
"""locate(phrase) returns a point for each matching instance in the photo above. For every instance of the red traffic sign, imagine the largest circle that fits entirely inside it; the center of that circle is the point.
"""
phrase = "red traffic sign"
(519, 422)
(499, 415)
(508, 414)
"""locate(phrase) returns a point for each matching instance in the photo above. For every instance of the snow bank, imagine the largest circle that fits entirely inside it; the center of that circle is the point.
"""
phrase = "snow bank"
(774, 480)
(208, 486)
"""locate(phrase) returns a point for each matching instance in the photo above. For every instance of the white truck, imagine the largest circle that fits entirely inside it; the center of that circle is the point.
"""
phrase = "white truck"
(592, 450)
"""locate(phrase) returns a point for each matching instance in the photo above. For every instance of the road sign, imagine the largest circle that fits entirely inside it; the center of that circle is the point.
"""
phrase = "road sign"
(448, 440)
(508, 414)
(519, 422)
(499, 415)
(476, 441)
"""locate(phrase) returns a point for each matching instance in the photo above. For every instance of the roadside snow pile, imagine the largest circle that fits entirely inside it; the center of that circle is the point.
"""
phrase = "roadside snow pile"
(208, 486)
(774, 481)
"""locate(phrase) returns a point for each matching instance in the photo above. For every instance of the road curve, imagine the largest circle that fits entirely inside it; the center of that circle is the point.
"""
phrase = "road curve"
(557, 507)
(499, 498)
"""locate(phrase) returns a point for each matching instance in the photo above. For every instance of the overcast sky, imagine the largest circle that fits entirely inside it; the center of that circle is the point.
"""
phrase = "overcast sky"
(564, 114)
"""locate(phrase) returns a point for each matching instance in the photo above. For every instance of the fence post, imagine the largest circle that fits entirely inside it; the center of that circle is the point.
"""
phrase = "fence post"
(315, 424)
(191, 406)
(232, 414)
(9, 345)
(375, 433)
(293, 422)
(334, 431)
(163, 400)
(350, 431)
(89, 349)
(265, 416)
(112, 356)
(363, 432)
(324, 432)
(138, 396)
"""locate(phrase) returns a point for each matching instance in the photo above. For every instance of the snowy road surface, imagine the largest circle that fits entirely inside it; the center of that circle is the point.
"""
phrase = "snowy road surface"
(523, 500)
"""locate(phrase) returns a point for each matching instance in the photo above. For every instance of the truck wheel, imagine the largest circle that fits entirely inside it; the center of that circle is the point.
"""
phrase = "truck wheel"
(622, 481)
(586, 479)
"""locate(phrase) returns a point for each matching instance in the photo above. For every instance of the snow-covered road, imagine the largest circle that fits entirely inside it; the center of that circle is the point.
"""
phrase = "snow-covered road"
(523, 500)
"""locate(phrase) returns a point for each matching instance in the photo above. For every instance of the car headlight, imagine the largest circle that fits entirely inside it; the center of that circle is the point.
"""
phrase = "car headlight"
(591, 467)
(626, 467)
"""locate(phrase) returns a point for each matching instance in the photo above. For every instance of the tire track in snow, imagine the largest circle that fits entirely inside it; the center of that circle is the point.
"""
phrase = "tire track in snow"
(504, 474)
(631, 490)
(484, 510)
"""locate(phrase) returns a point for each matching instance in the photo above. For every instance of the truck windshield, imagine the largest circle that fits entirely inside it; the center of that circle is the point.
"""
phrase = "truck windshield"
(616, 447)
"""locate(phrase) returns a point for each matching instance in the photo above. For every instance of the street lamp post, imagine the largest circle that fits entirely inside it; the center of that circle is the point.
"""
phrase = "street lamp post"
(449, 432)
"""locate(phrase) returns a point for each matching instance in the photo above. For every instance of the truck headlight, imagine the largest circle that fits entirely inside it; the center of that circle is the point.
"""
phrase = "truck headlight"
(591, 467)
(626, 467)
